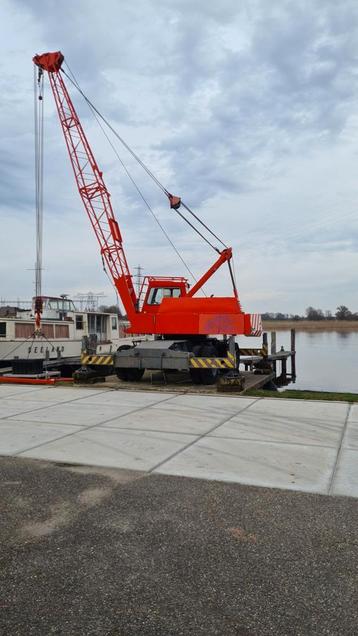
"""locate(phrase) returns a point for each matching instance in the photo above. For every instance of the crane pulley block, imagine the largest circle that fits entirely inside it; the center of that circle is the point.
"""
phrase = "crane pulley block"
(50, 62)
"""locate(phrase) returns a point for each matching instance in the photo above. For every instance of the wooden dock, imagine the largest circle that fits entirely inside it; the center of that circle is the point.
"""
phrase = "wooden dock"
(282, 362)
(256, 381)
(181, 383)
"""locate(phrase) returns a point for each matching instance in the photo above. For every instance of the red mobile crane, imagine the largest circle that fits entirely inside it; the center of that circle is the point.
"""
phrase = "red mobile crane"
(181, 322)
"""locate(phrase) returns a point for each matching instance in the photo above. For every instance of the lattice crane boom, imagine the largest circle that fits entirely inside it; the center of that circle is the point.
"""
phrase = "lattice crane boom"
(91, 186)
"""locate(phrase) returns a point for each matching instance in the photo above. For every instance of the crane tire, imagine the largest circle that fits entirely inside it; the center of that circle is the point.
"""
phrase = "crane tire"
(195, 374)
(129, 375)
(208, 376)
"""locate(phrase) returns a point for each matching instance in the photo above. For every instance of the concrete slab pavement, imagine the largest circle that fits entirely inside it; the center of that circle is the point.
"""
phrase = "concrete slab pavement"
(17, 437)
(346, 475)
(293, 467)
(134, 450)
(299, 445)
(291, 422)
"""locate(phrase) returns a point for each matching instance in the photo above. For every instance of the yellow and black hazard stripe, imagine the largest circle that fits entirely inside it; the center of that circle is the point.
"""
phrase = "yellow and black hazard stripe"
(253, 352)
(214, 363)
(100, 360)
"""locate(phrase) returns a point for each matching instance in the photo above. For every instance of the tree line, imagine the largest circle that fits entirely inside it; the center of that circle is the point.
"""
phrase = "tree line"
(342, 313)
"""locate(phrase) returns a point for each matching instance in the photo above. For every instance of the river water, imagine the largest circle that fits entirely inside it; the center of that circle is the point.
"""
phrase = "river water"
(325, 361)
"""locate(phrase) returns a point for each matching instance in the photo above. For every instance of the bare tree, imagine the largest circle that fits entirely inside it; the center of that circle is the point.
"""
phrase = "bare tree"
(343, 313)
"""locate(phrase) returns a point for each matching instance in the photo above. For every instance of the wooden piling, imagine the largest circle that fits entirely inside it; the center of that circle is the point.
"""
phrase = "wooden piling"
(293, 354)
(273, 348)
(264, 344)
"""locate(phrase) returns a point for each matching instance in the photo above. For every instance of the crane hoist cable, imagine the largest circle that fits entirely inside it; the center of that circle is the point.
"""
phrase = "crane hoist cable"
(39, 167)
(39, 201)
(146, 169)
(17, 346)
(147, 204)
(139, 191)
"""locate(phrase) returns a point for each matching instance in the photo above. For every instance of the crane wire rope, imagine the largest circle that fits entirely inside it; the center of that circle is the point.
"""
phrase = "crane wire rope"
(143, 165)
(17, 346)
(142, 196)
(39, 87)
(39, 169)
(139, 191)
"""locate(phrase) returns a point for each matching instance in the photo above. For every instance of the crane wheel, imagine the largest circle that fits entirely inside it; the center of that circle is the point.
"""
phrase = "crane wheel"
(128, 375)
(195, 374)
(204, 376)
(209, 376)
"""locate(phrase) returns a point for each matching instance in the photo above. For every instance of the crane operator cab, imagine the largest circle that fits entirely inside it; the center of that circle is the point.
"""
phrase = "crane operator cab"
(156, 295)
(159, 289)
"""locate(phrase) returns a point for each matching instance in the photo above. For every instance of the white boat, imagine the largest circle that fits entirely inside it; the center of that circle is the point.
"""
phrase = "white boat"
(63, 327)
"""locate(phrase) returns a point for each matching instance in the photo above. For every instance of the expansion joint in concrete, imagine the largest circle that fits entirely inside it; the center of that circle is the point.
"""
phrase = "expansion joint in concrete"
(199, 437)
(339, 452)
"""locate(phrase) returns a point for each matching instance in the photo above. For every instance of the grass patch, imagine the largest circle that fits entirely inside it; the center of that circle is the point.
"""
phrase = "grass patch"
(305, 395)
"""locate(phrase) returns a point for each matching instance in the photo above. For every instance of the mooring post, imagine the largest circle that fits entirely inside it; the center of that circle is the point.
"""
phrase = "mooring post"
(293, 354)
(232, 348)
(273, 348)
(264, 345)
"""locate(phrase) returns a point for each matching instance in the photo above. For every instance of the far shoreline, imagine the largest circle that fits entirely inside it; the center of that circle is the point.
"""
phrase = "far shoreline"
(310, 325)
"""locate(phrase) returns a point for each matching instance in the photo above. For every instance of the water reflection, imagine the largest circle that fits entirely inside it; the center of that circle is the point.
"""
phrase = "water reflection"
(343, 335)
(325, 361)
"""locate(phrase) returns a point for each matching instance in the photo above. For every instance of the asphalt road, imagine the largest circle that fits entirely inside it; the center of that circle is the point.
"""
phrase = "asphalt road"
(88, 551)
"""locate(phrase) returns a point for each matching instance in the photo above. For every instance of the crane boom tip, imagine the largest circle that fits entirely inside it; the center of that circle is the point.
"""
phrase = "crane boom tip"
(50, 62)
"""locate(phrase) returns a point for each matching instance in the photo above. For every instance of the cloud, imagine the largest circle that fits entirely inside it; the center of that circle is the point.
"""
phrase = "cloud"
(248, 112)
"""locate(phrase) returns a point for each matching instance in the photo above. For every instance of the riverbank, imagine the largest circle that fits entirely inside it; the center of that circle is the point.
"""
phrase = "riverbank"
(293, 394)
(311, 325)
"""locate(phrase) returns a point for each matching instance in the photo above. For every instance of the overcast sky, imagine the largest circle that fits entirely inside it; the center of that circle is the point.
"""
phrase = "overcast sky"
(246, 110)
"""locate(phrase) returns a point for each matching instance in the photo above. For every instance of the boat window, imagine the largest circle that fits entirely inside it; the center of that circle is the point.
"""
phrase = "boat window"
(79, 322)
(158, 293)
(114, 322)
(97, 325)
(2, 329)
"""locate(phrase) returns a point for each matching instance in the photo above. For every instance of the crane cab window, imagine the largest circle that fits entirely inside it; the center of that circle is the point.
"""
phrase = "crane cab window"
(158, 293)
